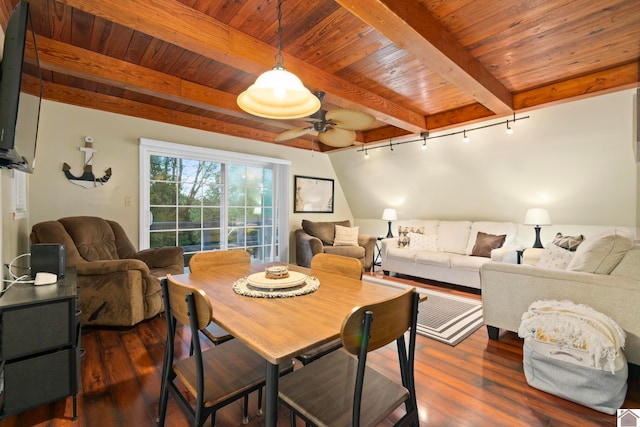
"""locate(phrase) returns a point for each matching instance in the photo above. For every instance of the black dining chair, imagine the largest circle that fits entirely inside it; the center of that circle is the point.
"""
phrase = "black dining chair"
(340, 390)
(214, 377)
(336, 264)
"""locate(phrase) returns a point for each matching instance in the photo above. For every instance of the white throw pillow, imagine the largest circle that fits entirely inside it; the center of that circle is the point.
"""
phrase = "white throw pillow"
(421, 242)
(602, 252)
(555, 257)
(346, 236)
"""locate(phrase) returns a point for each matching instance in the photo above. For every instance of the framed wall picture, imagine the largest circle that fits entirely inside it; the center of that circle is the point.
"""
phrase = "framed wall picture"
(312, 195)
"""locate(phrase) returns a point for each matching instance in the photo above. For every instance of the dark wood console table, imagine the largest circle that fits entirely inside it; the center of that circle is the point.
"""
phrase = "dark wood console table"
(39, 345)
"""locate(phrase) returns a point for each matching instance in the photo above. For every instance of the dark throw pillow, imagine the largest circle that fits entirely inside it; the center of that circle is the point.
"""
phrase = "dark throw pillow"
(569, 243)
(485, 243)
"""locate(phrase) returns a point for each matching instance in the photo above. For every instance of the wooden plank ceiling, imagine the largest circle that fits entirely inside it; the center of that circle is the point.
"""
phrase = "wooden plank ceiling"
(423, 65)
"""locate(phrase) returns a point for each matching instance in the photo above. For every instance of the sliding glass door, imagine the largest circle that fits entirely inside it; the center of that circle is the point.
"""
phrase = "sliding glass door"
(204, 200)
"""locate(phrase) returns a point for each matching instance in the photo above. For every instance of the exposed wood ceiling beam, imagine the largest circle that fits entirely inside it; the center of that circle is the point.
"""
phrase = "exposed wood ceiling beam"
(414, 29)
(103, 102)
(202, 34)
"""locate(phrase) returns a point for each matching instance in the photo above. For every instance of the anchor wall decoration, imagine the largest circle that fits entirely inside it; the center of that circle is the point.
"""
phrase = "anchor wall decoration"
(87, 179)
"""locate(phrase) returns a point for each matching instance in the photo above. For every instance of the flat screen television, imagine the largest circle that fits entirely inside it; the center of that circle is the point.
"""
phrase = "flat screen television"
(19, 110)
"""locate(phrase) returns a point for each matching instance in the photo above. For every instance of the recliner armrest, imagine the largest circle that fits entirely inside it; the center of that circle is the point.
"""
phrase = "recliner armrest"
(166, 257)
(103, 267)
(368, 243)
(505, 254)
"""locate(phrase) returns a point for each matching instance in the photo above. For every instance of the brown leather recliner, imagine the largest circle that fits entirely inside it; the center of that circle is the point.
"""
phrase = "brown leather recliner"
(118, 286)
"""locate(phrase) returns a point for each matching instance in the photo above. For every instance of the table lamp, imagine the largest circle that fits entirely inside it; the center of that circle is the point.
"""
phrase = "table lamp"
(537, 217)
(389, 214)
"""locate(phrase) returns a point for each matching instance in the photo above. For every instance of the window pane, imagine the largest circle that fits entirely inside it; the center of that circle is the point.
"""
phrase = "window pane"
(236, 175)
(163, 238)
(190, 240)
(162, 193)
(212, 195)
(190, 194)
(162, 168)
(211, 240)
(236, 217)
(236, 195)
(163, 218)
(211, 217)
(235, 238)
(189, 218)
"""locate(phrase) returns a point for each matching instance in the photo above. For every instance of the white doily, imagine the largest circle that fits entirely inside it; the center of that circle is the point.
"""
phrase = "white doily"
(242, 287)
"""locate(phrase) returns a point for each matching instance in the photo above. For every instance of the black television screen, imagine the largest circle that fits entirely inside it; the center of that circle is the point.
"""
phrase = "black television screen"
(19, 110)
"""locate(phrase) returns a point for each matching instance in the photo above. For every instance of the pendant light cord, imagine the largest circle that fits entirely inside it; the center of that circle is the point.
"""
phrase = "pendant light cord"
(278, 57)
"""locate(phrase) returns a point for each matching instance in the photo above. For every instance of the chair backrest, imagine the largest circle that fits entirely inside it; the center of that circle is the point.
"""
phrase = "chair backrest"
(372, 326)
(392, 318)
(178, 307)
(203, 260)
(338, 264)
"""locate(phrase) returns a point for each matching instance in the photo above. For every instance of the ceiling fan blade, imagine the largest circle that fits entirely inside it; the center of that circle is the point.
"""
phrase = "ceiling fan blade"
(292, 134)
(337, 137)
(350, 119)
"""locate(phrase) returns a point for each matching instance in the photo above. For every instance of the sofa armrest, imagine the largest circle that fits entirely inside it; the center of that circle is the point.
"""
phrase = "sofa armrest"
(509, 289)
(391, 242)
(368, 243)
(505, 254)
(166, 257)
(531, 256)
(306, 247)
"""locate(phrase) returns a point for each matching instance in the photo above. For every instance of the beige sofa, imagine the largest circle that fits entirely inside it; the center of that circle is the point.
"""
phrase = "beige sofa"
(447, 255)
(609, 282)
(318, 237)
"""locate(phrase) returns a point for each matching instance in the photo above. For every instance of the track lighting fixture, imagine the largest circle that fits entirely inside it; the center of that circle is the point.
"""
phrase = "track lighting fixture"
(425, 135)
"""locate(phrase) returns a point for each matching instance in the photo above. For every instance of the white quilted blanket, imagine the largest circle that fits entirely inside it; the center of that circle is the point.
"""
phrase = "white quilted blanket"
(578, 326)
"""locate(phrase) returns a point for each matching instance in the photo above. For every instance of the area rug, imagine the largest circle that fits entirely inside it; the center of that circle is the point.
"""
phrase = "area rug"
(444, 317)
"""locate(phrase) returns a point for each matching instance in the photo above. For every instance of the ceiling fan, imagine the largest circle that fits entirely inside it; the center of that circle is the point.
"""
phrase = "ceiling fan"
(335, 128)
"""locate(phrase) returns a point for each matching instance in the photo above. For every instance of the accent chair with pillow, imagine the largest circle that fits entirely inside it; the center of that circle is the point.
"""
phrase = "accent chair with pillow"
(118, 286)
(333, 237)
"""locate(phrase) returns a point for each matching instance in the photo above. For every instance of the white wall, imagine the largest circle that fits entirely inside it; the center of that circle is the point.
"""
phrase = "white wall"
(576, 159)
(62, 131)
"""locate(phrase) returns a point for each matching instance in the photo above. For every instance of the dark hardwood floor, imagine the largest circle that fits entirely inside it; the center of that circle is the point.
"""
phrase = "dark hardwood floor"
(477, 383)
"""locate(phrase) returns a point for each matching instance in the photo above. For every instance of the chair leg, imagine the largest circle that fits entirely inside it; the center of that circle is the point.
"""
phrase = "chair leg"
(260, 401)
(245, 414)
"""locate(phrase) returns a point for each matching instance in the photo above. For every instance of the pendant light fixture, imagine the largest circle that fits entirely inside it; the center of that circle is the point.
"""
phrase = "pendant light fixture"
(277, 93)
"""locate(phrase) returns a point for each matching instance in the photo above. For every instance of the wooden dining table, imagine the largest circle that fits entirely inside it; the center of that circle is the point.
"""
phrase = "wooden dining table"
(278, 329)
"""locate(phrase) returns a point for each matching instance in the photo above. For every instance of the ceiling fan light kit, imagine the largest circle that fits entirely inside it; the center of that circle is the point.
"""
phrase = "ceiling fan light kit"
(335, 128)
(277, 93)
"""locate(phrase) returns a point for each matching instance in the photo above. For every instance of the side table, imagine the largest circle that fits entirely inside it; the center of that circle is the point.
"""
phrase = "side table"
(377, 253)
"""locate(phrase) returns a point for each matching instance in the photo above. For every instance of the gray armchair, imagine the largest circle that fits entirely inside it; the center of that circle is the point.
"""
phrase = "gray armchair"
(317, 237)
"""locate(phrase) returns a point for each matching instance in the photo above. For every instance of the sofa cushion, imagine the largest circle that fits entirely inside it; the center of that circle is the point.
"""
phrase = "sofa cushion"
(630, 264)
(422, 242)
(346, 236)
(453, 236)
(602, 252)
(401, 253)
(403, 234)
(509, 229)
(555, 257)
(485, 243)
(324, 231)
(468, 263)
(439, 259)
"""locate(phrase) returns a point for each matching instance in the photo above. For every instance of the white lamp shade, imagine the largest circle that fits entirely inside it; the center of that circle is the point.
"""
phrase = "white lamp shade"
(389, 214)
(278, 94)
(537, 216)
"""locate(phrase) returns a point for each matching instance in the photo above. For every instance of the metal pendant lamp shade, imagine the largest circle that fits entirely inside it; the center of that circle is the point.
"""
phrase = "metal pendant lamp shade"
(277, 93)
